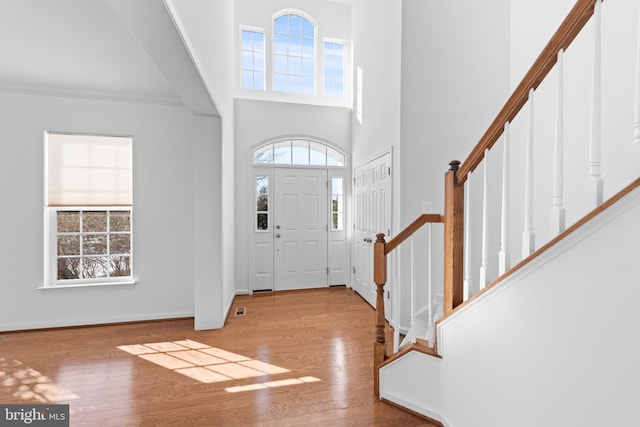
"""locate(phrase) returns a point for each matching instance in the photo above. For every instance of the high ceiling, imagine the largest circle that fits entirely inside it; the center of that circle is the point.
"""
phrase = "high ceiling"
(74, 46)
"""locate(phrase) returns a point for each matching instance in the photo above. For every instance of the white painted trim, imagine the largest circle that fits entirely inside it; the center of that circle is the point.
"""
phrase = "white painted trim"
(125, 284)
(414, 405)
(292, 98)
(189, 48)
(94, 95)
(226, 312)
(99, 321)
(383, 152)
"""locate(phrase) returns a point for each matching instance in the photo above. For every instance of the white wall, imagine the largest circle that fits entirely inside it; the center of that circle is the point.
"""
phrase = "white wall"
(206, 28)
(377, 53)
(163, 198)
(455, 79)
(258, 122)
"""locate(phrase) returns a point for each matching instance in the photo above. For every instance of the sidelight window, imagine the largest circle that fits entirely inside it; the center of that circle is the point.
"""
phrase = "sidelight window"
(337, 204)
(262, 203)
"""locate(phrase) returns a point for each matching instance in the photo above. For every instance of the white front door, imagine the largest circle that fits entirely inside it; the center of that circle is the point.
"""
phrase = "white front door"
(372, 216)
(300, 227)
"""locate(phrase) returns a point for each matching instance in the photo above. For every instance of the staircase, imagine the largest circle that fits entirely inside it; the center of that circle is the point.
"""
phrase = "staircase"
(500, 363)
(544, 336)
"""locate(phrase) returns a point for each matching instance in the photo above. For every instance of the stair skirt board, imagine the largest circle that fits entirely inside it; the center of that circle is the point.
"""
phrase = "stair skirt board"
(413, 405)
(411, 381)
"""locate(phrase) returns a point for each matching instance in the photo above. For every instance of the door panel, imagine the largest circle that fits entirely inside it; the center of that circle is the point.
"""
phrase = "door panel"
(363, 249)
(300, 228)
(372, 216)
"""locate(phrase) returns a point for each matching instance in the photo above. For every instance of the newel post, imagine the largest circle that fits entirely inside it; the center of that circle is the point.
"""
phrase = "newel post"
(380, 278)
(453, 239)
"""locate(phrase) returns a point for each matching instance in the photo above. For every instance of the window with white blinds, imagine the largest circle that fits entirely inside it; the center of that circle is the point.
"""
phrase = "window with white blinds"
(88, 170)
(89, 209)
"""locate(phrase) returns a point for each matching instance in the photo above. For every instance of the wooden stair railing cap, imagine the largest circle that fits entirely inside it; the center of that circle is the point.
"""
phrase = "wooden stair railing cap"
(562, 39)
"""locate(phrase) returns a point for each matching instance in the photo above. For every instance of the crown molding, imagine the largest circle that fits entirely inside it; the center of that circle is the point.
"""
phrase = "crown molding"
(94, 95)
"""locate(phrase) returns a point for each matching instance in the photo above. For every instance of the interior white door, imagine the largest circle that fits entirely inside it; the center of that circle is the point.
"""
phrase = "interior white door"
(363, 270)
(372, 216)
(300, 228)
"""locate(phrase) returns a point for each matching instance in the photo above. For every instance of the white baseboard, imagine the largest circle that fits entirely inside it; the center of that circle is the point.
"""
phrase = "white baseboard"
(95, 321)
(413, 405)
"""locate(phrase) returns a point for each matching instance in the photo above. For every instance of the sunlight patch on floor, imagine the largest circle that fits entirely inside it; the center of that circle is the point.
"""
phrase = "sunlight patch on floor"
(272, 384)
(26, 383)
(211, 365)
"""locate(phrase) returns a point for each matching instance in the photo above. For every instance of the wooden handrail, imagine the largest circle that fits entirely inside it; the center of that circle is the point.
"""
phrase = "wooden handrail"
(410, 229)
(562, 39)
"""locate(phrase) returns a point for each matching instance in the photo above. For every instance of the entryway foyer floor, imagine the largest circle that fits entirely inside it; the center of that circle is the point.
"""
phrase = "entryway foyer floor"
(294, 358)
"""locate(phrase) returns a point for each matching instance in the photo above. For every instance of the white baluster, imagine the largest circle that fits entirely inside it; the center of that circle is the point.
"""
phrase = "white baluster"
(594, 183)
(503, 256)
(635, 144)
(484, 262)
(466, 284)
(430, 327)
(413, 295)
(395, 285)
(395, 261)
(426, 208)
(557, 210)
(528, 236)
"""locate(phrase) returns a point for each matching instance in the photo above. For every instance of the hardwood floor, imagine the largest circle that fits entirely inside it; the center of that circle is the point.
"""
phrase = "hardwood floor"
(294, 358)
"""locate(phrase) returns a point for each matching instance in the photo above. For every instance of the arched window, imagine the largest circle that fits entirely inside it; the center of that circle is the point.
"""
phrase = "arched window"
(298, 152)
(294, 55)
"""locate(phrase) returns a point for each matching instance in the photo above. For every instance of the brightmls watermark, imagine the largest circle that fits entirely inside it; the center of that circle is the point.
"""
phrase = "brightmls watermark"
(34, 415)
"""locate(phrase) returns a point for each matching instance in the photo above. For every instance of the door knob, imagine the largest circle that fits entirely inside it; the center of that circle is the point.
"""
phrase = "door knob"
(277, 234)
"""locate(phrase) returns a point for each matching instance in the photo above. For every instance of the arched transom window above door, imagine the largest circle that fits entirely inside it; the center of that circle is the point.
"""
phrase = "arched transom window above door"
(303, 152)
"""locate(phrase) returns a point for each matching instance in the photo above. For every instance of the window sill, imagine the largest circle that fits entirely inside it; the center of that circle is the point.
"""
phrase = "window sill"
(266, 95)
(124, 284)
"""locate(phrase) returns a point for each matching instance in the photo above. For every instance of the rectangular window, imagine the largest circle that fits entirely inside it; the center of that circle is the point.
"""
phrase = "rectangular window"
(337, 204)
(93, 244)
(89, 207)
(334, 69)
(252, 60)
(262, 203)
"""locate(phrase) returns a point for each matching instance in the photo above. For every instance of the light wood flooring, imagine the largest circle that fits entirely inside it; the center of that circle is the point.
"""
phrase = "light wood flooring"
(295, 358)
